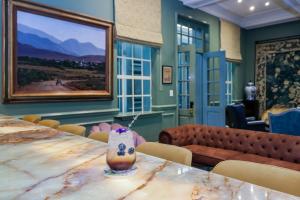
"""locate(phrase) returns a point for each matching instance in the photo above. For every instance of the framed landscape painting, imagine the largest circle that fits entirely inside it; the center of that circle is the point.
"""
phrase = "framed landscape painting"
(54, 55)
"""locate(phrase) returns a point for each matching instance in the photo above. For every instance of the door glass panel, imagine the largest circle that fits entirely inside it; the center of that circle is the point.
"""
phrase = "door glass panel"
(217, 89)
(185, 39)
(185, 30)
(191, 32)
(217, 100)
(183, 80)
(178, 39)
(210, 88)
(198, 33)
(187, 59)
(210, 100)
(216, 62)
(210, 75)
(199, 44)
(210, 63)
(216, 75)
(181, 59)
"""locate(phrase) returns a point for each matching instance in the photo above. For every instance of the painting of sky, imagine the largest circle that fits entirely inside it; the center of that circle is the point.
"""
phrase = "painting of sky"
(63, 30)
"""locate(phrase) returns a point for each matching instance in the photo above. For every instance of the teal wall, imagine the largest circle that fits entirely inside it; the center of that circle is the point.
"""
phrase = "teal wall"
(259, 34)
(92, 112)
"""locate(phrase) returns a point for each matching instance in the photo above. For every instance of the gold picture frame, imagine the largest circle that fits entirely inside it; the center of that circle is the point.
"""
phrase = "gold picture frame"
(54, 55)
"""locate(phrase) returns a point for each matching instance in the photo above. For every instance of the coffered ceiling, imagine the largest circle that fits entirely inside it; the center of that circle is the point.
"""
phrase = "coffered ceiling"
(250, 13)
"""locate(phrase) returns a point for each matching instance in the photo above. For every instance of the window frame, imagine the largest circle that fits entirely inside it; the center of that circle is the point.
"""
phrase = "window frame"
(123, 77)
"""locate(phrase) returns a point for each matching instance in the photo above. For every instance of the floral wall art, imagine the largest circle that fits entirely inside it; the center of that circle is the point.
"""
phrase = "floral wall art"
(278, 72)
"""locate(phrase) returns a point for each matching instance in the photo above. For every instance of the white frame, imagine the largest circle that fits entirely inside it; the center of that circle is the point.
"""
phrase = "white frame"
(124, 77)
(229, 83)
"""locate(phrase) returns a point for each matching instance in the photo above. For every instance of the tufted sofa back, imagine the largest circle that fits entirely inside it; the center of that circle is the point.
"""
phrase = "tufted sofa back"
(277, 146)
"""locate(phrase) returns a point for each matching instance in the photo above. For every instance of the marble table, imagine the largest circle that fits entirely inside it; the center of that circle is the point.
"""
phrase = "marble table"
(41, 163)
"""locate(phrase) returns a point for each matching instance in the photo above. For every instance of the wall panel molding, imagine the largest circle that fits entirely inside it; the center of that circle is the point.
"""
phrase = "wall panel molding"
(71, 114)
(164, 107)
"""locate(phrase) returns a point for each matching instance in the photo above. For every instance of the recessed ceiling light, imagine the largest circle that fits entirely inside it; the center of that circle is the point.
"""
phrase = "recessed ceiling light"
(239, 1)
(267, 3)
(252, 8)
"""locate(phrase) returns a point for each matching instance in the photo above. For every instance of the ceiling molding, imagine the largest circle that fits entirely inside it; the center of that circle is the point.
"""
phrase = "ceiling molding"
(203, 3)
(223, 13)
(266, 19)
(281, 11)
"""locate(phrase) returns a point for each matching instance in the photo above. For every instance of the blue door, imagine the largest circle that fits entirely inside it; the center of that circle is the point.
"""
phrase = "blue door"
(214, 100)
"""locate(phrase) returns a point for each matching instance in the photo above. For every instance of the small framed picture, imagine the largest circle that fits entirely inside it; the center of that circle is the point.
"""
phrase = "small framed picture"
(167, 74)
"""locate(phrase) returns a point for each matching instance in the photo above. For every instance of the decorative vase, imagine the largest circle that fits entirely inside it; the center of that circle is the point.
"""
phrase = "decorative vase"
(250, 91)
(121, 151)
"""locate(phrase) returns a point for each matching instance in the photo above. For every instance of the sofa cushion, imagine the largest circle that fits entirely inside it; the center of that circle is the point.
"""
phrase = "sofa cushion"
(266, 160)
(210, 155)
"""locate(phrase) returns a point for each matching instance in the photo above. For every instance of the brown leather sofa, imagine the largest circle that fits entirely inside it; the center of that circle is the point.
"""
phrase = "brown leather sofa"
(211, 145)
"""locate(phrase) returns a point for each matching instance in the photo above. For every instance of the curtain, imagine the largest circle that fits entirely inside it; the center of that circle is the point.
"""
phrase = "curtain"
(139, 20)
(230, 40)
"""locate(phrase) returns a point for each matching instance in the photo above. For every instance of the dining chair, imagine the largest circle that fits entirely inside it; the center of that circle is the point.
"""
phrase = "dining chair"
(72, 128)
(32, 118)
(269, 176)
(100, 136)
(168, 152)
(49, 123)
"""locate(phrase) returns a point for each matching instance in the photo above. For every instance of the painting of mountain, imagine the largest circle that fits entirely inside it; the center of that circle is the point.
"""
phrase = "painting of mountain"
(55, 55)
(26, 29)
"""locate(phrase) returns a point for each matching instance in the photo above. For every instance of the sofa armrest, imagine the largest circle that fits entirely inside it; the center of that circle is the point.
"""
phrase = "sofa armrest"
(249, 119)
(179, 136)
(257, 126)
(256, 123)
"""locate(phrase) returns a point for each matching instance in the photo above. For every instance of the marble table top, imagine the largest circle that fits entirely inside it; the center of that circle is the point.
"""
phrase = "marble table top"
(42, 163)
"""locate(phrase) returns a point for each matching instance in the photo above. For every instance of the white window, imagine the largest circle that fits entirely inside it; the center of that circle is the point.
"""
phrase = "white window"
(134, 77)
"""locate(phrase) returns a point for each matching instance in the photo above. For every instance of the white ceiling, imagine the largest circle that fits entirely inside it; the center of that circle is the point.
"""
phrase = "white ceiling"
(278, 11)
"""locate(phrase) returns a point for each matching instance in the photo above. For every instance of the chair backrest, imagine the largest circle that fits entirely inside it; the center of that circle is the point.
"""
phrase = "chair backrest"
(277, 178)
(236, 117)
(286, 123)
(168, 152)
(72, 128)
(32, 118)
(100, 136)
(49, 123)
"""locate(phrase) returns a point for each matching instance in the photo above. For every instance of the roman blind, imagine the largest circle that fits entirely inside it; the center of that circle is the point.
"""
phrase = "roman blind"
(230, 40)
(139, 20)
